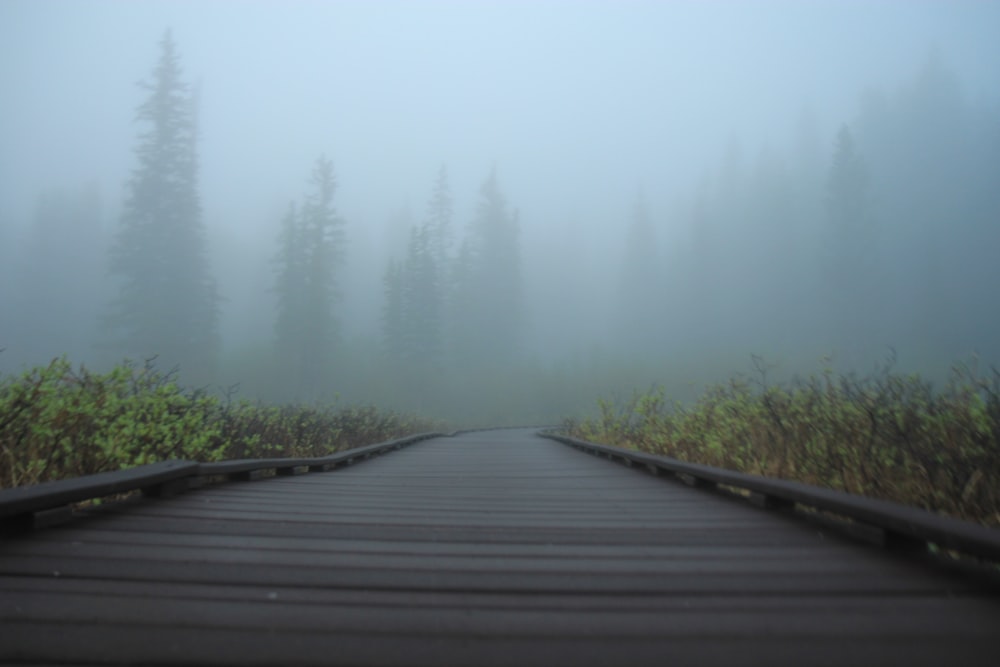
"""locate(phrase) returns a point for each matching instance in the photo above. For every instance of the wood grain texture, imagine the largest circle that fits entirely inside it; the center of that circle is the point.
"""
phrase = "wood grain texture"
(490, 548)
(910, 526)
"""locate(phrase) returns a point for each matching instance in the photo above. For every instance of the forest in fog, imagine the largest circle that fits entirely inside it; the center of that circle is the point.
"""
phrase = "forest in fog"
(498, 212)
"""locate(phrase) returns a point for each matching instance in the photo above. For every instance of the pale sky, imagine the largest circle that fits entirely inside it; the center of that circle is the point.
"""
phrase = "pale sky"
(561, 95)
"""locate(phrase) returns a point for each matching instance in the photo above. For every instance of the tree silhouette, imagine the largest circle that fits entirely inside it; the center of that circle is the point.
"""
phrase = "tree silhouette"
(639, 293)
(310, 252)
(490, 273)
(439, 216)
(851, 283)
(167, 303)
(393, 319)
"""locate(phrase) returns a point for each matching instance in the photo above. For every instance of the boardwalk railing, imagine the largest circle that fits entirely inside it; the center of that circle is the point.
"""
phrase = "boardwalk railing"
(26, 507)
(894, 525)
(891, 524)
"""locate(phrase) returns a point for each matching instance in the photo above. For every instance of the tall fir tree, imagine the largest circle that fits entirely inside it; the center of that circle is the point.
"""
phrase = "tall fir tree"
(847, 198)
(167, 305)
(393, 319)
(491, 293)
(290, 290)
(422, 300)
(311, 250)
(639, 301)
(419, 292)
(850, 280)
(439, 219)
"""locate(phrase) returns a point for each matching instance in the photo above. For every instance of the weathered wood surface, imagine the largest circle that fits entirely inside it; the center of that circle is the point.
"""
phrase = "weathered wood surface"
(491, 548)
(26, 499)
(19, 504)
(899, 523)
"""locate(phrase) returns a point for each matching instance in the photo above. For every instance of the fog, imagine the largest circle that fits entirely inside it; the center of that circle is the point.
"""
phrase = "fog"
(640, 192)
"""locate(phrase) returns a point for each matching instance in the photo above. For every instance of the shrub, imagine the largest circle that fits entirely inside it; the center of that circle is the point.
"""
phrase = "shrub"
(887, 436)
(58, 422)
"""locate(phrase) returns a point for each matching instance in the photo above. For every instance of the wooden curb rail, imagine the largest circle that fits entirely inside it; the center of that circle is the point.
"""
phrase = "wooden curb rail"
(899, 525)
(27, 507)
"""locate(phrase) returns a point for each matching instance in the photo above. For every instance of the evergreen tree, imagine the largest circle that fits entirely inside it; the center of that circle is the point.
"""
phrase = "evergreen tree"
(311, 250)
(638, 299)
(422, 300)
(847, 197)
(492, 302)
(412, 315)
(461, 323)
(439, 215)
(851, 281)
(700, 285)
(290, 288)
(393, 321)
(167, 303)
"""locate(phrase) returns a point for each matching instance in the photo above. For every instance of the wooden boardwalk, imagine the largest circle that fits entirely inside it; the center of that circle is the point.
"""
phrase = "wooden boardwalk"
(490, 548)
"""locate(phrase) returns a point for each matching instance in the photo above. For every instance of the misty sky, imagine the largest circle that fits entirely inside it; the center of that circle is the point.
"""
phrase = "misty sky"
(565, 96)
(578, 104)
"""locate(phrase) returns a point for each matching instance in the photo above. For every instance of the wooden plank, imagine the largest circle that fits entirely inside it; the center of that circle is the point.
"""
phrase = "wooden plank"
(18, 505)
(26, 499)
(243, 468)
(400, 556)
(689, 581)
(902, 606)
(227, 646)
(845, 620)
(902, 522)
(637, 537)
(489, 548)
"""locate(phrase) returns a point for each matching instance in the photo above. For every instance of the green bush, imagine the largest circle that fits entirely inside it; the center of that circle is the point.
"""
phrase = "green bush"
(58, 422)
(887, 436)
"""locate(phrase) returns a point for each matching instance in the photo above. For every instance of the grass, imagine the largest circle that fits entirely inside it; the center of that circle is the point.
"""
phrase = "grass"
(58, 421)
(888, 435)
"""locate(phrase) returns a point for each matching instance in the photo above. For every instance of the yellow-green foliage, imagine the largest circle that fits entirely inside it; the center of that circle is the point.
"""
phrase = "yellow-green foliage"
(58, 422)
(887, 436)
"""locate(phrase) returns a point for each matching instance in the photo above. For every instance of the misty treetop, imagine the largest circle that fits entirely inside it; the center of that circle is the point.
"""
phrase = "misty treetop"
(167, 305)
(444, 313)
(851, 274)
(311, 250)
(639, 324)
(439, 219)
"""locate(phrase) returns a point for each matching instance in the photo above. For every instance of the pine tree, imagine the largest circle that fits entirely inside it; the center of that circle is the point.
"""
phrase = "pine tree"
(393, 321)
(311, 250)
(422, 300)
(167, 304)
(412, 325)
(461, 323)
(851, 283)
(494, 301)
(847, 194)
(290, 289)
(439, 215)
(638, 302)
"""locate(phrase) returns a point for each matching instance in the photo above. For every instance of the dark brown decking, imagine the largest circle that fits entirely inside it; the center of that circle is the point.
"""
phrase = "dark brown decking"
(490, 548)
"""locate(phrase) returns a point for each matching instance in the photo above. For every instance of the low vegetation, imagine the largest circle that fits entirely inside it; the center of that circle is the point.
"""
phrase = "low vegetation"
(58, 421)
(888, 435)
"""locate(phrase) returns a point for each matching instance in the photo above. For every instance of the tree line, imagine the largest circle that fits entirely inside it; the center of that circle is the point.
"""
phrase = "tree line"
(878, 238)
(880, 235)
(443, 307)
